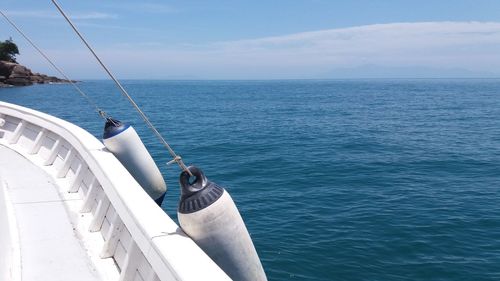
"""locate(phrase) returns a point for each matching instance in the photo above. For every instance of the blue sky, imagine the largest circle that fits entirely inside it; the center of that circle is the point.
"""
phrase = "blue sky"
(264, 39)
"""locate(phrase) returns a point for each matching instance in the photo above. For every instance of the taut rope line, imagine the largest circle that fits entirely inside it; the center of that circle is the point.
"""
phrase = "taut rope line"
(175, 158)
(85, 96)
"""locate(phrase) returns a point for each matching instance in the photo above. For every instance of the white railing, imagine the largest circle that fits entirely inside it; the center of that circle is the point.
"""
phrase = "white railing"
(145, 243)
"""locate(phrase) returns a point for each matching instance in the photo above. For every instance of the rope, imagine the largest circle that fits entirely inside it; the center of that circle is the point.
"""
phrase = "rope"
(176, 158)
(85, 96)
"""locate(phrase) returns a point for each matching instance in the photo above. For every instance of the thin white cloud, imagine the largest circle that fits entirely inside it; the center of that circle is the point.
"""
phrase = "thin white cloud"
(147, 7)
(31, 14)
(93, 16)
(43, 14)
(454, 47)
(156, 8)
(380, 42)
(106, 25)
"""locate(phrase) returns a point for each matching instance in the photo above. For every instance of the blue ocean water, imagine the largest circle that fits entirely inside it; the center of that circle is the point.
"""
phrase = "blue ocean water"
(336, 180)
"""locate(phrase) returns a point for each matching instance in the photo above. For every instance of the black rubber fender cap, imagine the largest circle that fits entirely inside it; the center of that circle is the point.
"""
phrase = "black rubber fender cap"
(113, 127)
(197, 193)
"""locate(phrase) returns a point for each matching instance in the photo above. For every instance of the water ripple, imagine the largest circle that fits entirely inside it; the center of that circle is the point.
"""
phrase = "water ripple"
(336, 180)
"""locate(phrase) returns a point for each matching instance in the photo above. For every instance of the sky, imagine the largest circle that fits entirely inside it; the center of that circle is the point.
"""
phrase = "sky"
(273, 39)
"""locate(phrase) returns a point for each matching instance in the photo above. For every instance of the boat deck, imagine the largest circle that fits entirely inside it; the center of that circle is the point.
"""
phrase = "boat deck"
(47, 246)
(70, 211)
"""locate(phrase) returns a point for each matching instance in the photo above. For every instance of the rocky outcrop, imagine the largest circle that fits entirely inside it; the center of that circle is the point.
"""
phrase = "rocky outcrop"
(13, 74)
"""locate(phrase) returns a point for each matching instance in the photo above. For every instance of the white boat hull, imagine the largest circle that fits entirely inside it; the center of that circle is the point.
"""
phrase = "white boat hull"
(122, 233)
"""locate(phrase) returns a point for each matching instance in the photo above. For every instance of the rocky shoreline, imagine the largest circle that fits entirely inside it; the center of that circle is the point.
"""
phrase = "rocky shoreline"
(14, 74)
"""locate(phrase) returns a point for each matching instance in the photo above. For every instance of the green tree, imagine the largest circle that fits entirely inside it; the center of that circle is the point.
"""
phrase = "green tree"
(8, 50)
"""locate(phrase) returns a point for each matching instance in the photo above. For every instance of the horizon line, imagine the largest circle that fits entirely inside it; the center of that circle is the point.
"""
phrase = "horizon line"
(284, 79)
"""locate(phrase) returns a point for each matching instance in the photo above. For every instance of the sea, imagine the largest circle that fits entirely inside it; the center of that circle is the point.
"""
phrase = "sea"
(367, 179)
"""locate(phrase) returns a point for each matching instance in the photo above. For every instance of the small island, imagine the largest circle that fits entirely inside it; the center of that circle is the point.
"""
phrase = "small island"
(14, 74)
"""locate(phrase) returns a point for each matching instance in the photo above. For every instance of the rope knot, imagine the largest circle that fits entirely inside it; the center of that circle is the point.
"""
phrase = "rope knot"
(177, 159)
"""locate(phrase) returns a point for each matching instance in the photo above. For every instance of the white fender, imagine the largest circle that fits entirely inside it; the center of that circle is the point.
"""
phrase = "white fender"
(124, 142)
(209, 216)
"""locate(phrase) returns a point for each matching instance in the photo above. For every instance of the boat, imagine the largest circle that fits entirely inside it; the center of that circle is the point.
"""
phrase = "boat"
(75, 208)
(69, 210)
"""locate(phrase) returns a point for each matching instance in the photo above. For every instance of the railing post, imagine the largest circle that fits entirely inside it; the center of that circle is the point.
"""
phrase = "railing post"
(38, 142)
(17, 132)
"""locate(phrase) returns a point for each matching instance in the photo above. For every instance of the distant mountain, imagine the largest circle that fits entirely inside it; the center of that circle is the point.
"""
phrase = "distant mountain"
(376, 71)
